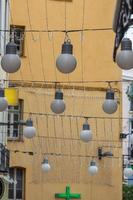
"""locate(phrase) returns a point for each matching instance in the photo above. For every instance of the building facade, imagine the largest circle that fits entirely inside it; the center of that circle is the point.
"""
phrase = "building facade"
(40, 28)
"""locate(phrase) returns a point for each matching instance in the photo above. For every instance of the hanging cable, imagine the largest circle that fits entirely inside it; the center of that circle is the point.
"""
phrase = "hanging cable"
(62, 30)
(29, 19)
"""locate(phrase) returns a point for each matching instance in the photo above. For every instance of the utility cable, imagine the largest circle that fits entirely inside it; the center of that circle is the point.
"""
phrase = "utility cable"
(61, 30)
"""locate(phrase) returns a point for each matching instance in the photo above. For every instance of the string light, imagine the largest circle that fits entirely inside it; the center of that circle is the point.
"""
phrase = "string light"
(86, 134)
(58, 104)
(66, 62)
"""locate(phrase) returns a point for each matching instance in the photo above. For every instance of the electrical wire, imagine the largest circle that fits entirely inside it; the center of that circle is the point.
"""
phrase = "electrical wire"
(82, 35)
(74, 139)
(60, 154)
(29, 19)
(54, 59)
(71, 82)
(74, 116)
(41, 54)
(62, 30)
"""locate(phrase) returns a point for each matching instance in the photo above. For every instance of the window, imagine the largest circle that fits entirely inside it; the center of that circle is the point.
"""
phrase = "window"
(18, 38)
(16, 189)
(15, 114)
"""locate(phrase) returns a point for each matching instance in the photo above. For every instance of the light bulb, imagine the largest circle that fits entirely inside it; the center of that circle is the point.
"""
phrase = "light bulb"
(3, 101)
(86, 134)
(29, 131)
(124, 58)
(128, 171)
(66, 62)
(58, 105)
(110, 104)
(10, 62)
(92, 168)
(45, 165)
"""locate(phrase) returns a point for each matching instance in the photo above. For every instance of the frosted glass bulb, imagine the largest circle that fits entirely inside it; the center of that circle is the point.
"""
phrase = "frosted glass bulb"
(124, 58)
(92, 169)
(86, 133)
(110, 104)
(46, 166)
(66, 62)
(11, 62)
(128, 171)
(58, 105)
(29, 131)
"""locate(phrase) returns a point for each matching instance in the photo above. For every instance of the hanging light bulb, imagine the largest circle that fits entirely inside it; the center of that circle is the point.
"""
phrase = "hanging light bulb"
(45, 165)
(66, 62)
(86, 133)
(10, 62)
(110, 103)
(92, 168)
(128, 171)
(58, 105)
(29, 131)
(3, 101)
(124, 58)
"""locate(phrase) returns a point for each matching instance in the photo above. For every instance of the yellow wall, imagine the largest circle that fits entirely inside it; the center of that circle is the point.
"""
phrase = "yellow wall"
(93, 50)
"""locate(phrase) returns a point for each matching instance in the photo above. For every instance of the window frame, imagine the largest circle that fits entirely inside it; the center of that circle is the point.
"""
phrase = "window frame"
(15, 185)
(11, 114)
(14, 28)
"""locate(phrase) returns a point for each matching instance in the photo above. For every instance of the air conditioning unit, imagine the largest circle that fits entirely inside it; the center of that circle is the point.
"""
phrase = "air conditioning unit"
(3, 189)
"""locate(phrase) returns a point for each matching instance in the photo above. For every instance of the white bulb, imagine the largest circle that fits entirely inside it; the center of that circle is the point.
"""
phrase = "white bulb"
(128, 171)
(10, 63)
(86, 135)
(131, 139)
(3, 104)
(46, 167)
(29, 131)
(58, 106)
(92, 170)
(110, 106)
(124, 59)
(66, 63)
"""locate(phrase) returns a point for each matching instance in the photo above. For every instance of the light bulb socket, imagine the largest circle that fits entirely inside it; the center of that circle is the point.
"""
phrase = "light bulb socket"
(11, 48)
(110, 94)
(59, 95)
(92, 163)
(67, 48)
(126, 44)
(29, 122)
(86, 126)
(45, 161)
(2, 93)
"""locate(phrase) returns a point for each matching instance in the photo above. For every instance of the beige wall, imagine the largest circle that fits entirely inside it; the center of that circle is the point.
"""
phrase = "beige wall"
(94, 63)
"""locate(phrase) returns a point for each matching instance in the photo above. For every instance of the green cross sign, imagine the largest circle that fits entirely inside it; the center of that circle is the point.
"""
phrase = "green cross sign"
(68, 195)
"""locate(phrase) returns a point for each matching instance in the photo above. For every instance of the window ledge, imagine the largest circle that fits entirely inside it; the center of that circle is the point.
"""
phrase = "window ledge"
(15, 140)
